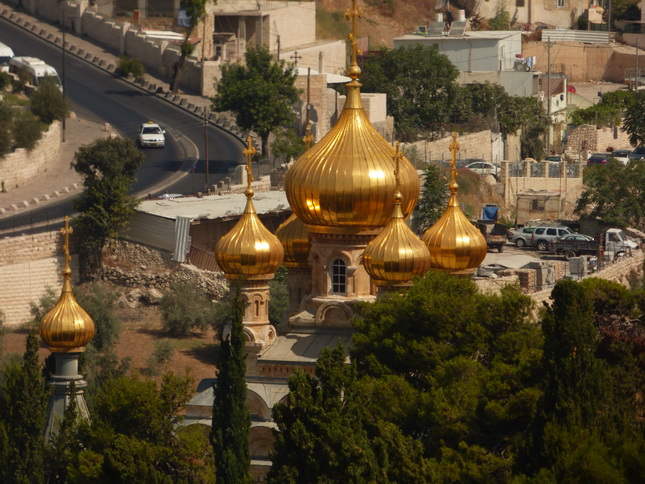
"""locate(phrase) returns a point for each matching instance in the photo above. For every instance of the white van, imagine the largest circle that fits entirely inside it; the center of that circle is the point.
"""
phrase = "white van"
(6, 54)
(37, 71)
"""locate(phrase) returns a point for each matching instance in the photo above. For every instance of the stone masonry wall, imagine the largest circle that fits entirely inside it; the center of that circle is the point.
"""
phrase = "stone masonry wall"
(596, 139)
(473, 145)
(28, 266)
(18, 167)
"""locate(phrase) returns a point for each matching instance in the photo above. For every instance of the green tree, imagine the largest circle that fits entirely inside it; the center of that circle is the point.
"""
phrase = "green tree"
(576, 406)
(23, 402)
(463, 368)
(615, 194)
(434, 198)
(132, 435)
(634, 124)
(325, 434)
(279, 296)
(420, 84)
(287, 144)
(195, 10)
(100, 304)
(527, 114)
(609, 111)
(108, 168)
(49, 103)
(502, 19)
(260, 93)
(184, 308)
(27, 131)
(231, 420)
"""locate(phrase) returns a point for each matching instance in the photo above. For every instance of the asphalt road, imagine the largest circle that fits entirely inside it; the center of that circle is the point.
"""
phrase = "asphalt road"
(103, 97)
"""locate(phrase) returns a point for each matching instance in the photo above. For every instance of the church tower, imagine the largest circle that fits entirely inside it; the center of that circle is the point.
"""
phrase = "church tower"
(249, 255)
(66, 330)
(341, 189)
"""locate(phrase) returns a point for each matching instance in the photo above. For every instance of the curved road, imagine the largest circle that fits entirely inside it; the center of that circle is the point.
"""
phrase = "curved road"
(103, 97)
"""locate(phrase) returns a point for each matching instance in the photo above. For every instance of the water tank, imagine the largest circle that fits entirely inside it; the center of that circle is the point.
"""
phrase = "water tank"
(439, 17)
(461, 15)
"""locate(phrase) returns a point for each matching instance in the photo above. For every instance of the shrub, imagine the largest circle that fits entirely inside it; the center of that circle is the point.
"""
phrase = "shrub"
(100, 305)
(5, 80)
(160, 357)
(184, 308)
(27, 131)
(48, 103)
(279, 296)
(6, 123)
(130, 65)
(45, 304)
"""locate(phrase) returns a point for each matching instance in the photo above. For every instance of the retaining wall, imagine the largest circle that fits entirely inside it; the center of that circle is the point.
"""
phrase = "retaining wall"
(20, 166)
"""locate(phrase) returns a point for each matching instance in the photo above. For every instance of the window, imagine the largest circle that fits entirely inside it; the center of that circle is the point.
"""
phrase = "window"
(339, 277)
(560, 3)
(519, 3)
(537, 206)
(552, 232)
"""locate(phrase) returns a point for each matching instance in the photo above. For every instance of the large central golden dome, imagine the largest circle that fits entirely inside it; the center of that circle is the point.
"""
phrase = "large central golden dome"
(344, 183)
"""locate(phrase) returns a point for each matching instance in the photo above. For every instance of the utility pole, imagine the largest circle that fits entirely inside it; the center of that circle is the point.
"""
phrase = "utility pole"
(278, 59)
(548, 97)
(638, 74)
(207, 114)
(63, 70)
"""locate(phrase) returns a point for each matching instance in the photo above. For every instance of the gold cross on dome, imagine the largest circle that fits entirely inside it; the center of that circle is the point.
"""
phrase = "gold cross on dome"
(398, 156)
(67, 231)
(352, 14)
(249, 151)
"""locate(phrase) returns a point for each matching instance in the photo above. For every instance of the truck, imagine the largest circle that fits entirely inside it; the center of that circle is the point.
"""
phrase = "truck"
(610, 240)
(495, 233)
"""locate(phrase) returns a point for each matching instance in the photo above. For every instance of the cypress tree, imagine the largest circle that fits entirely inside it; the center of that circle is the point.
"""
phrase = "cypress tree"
(231, 420)
(23, 404)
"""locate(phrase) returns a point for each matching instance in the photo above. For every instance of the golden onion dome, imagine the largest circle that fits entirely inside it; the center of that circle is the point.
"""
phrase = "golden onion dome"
(67, 328)
(294, 237)
(249, 248)
(455, 244)
(396, 255)
(344, 183)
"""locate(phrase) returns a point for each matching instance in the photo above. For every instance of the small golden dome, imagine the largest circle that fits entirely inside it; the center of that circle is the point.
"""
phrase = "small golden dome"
(344, 183)
(294, 236)
(67, 328)
(455, 244)
(396, 255)
(249, 249)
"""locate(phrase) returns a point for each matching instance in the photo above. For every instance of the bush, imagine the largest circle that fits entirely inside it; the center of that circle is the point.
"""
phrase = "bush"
(160, 357)
(279, 296)
(48, 103)
(27, 131)
(5, 80)
(45, 304)
(184, 308)
(100, 305)
(6, 123)
(130, 65)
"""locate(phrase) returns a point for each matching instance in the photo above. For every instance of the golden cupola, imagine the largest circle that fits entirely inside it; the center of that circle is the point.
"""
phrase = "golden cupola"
(344, 183)
(249, 249)
(67, 328)
(294, 237)
(455, 244)
(396, 255)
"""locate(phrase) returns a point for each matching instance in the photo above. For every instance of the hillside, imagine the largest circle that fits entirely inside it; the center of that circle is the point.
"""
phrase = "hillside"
(382, 19)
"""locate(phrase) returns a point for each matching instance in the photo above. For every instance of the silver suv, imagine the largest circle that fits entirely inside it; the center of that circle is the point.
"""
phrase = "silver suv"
(542, 235)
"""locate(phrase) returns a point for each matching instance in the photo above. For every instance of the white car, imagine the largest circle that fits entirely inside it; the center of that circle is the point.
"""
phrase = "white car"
(621, 155)
(483, 168)
(151, 135)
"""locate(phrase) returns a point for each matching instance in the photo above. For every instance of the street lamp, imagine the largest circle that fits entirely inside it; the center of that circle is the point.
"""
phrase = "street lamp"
(207, 114)
(71, 17)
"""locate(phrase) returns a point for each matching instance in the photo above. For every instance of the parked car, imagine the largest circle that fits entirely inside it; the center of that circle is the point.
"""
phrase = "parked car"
(484, 168)
(611, 240)
(598, 159)
(541, 235)
(579, 237)
(621, 156)
(554, 159)
(638, 154)
(521, 237)
(151, 135)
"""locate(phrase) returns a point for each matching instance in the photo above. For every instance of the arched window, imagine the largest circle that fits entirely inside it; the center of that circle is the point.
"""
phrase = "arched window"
(339, 277)
(257, 308)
